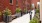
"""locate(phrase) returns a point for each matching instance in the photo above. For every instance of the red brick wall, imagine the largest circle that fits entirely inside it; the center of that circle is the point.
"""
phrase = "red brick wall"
(7, 4)
(29, 3)
(13, 7)
(21, 4)
(1, 5)
(4, 4)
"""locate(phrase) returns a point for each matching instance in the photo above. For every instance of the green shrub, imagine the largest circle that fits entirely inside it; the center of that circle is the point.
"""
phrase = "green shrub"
(37, 10)
(35, 19)
(7, 11)
(25, 10)
(18, 10)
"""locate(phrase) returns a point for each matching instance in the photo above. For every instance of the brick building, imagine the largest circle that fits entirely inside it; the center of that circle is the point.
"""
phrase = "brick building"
(12, 4)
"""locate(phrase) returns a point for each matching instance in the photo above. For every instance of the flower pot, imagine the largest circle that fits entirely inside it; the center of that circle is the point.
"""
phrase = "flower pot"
(7, 18)
(18, 14)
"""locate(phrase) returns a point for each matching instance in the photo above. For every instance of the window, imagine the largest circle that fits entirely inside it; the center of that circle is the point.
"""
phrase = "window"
(16, 2)
(23, 3)
(11, 2)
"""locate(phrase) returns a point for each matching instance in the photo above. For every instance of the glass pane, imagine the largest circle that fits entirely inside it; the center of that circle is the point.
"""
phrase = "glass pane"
(10, 1)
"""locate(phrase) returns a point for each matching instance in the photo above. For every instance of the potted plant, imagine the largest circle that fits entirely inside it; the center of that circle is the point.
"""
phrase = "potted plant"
(0, 16)
(25, 10)
(7, 15)
(34, 20)
(18, 12)
(37, 10)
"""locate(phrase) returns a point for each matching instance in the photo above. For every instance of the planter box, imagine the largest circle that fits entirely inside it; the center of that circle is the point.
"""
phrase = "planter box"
(7, 18)
(18, 14)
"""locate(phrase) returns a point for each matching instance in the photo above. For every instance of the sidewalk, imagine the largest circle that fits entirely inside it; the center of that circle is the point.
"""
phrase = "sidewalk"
(24, 19)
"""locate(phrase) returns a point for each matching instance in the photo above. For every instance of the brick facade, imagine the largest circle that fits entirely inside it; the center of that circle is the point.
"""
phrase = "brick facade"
(6, 3)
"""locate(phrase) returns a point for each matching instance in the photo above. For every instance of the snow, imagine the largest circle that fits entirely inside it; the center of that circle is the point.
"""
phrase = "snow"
(24, 19)
(33, 13)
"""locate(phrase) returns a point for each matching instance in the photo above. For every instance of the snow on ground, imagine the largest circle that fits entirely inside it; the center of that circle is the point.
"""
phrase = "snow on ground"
(33, 13)
(24, 19)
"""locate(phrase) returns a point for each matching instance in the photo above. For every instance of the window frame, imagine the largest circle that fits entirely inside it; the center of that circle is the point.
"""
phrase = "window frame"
(11, 3)
(16, 2)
